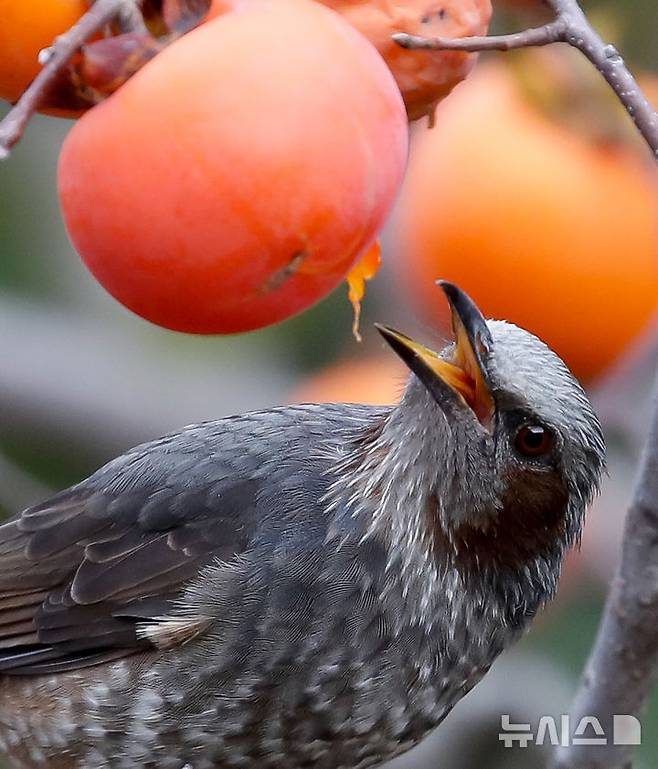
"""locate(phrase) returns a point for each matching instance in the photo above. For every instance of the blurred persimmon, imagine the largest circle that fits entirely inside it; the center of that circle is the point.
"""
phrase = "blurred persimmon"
(376, 380)
(541, 224)
(26, 28)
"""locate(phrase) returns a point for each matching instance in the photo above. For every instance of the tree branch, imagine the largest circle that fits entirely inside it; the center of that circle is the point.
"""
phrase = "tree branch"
(101, 13)
(606, 58)
(623, 663)
(570, 26)
(536, 36)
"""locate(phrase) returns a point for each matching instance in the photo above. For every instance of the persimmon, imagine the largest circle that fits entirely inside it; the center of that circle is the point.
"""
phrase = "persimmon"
(542, 226)
(26, 28)
(218, 190)
(377, 380)
(424, 77)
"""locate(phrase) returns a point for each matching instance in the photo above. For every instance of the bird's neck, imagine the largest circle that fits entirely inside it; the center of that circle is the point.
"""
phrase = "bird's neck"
(387, 485)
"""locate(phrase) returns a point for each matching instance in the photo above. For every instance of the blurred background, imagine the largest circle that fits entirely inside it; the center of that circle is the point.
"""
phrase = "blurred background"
(532, 192)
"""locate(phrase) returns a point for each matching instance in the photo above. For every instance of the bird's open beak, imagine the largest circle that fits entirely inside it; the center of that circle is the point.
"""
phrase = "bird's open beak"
(465, 370)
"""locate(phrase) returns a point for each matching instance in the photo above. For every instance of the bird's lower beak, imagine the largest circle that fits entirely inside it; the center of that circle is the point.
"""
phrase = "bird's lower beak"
(464, 371)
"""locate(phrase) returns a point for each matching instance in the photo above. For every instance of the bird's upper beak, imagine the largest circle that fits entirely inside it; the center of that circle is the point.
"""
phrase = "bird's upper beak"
(464, 372)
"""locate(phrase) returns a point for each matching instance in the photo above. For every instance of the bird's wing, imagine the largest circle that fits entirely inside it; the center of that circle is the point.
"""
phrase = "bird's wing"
(82, 573)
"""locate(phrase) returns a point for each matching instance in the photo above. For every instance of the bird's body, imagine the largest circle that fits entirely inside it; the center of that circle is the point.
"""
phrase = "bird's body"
(291, 588)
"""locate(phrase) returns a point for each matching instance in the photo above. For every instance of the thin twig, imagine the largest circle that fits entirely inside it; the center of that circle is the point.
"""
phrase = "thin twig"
(101, 13)
(570, 26)
(535, 36)
(581, 35)
(131, 19)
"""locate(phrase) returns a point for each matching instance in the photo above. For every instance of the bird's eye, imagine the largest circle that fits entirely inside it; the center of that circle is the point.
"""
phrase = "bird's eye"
(533, 441)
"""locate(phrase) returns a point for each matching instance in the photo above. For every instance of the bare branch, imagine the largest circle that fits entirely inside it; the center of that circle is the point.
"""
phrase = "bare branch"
(570, 26)
(130, 17)
(606, 58)
(623, 664)
(101, 13)
(536, 36)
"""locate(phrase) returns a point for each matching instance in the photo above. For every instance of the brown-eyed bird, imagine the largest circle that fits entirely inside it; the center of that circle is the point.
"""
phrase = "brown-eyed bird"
(308, 586)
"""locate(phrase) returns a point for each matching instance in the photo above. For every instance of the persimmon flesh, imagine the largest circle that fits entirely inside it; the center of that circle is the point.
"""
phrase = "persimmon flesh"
(237, 177)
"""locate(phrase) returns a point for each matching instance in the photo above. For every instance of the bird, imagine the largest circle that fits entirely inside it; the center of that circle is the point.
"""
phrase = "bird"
(304, 586)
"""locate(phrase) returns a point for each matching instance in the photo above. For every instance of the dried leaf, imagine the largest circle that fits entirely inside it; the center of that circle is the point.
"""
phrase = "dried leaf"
(107, 64)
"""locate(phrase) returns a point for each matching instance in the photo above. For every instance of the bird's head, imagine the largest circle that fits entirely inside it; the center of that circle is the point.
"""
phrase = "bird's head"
(500, 429)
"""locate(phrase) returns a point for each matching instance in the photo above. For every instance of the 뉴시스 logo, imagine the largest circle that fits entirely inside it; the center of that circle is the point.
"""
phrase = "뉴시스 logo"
(626, 730)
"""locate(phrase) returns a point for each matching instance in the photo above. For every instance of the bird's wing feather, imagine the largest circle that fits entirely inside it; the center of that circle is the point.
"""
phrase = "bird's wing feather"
(81, 572)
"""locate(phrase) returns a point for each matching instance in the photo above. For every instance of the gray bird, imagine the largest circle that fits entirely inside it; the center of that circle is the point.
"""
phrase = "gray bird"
(309, 586)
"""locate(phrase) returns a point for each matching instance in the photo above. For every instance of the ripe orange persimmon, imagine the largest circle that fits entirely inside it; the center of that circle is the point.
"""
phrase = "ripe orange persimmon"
(238, 176)
(377, 380)
(25, 29)
(542, 226)
(424, 77)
